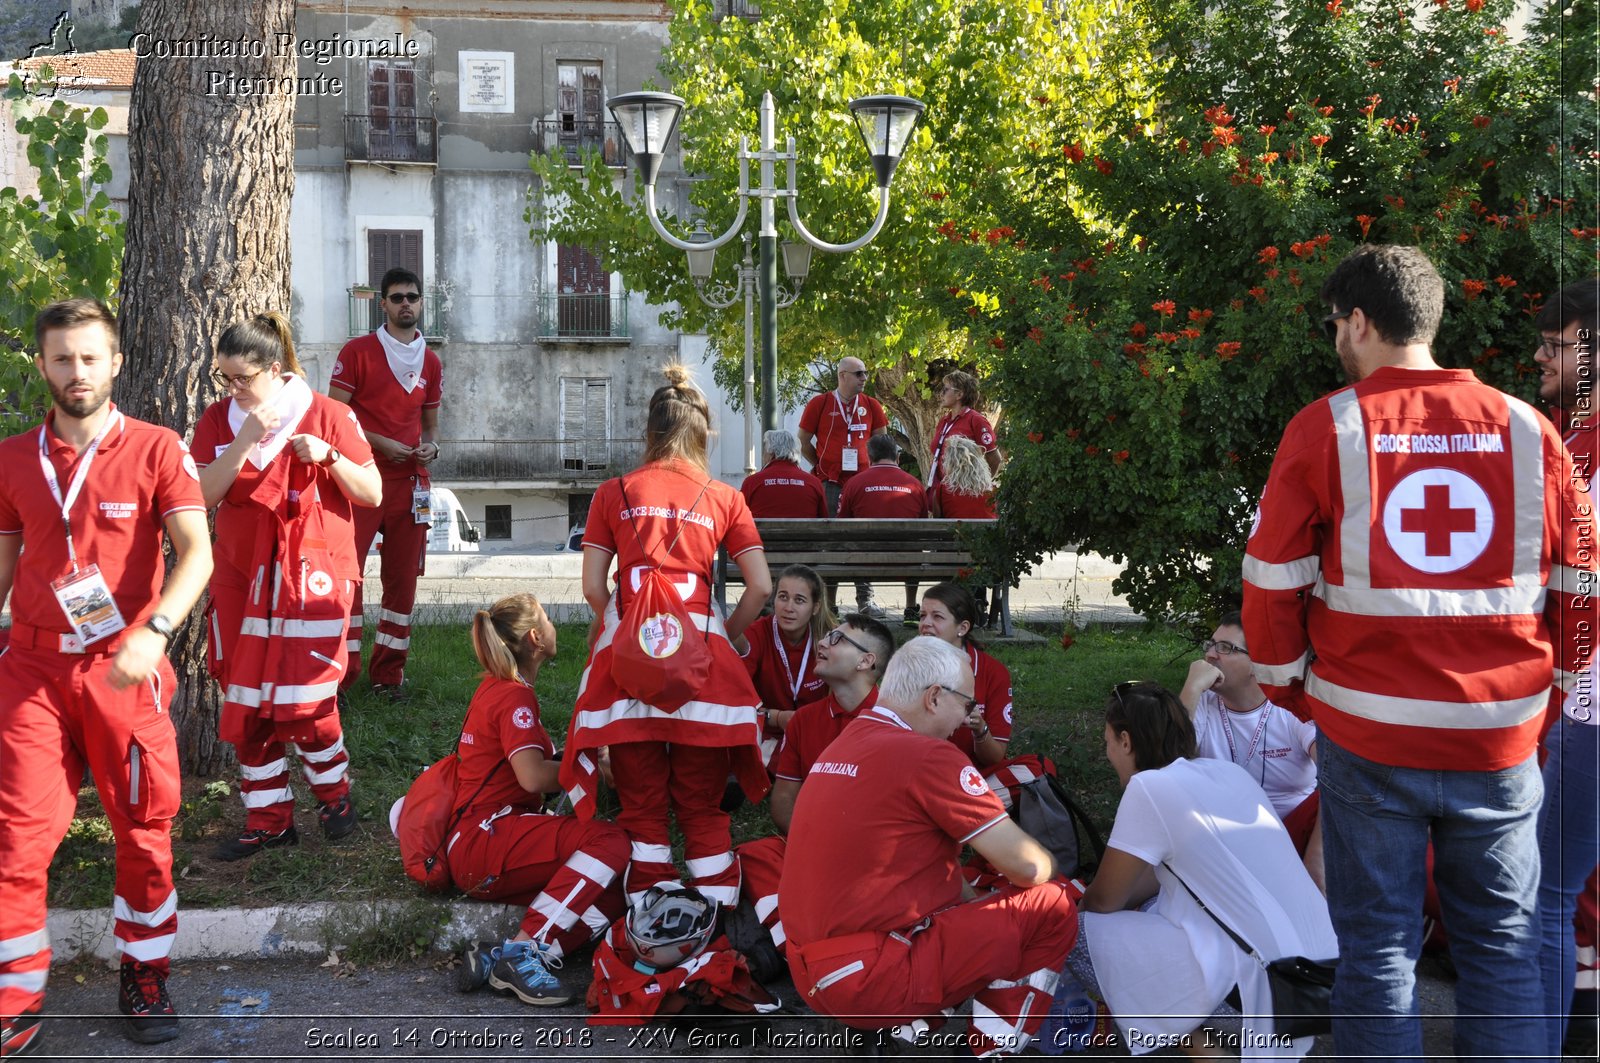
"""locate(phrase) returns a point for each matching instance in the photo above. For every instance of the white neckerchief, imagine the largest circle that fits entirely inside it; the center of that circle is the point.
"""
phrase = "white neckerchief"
(405, 359)
(292, 401)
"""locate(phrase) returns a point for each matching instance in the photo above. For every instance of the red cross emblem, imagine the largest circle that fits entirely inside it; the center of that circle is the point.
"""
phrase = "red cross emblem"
(1437, 520)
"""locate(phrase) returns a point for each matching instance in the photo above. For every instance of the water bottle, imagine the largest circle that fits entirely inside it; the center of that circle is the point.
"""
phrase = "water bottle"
(1075, 1022)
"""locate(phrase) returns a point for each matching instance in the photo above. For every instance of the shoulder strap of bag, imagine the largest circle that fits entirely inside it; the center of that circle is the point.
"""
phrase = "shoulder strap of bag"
(1237, 940)
(622, 485)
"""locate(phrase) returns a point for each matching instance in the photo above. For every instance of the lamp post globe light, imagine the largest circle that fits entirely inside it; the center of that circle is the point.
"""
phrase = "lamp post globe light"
(647, 121)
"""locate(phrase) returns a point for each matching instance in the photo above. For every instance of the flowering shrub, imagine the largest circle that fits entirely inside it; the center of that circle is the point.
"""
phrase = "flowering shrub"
(1155, 320)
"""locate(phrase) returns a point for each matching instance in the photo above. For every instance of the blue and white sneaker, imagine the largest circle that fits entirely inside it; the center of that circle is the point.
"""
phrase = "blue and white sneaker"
(524, 969)
(476, 962)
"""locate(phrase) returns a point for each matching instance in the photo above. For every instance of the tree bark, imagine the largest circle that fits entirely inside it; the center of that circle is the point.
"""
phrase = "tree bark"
(210, 182)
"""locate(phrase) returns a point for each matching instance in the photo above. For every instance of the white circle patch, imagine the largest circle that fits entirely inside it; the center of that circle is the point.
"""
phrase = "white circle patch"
(661, 636)
(1255, 522)
(523, 717)
(1438, 520)
(319, 583)
(189, 467)
(338, 367)
(972, 782)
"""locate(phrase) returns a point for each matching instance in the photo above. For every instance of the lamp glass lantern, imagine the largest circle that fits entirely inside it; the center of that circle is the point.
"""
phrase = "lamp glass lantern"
(886, 124)
(647, 120)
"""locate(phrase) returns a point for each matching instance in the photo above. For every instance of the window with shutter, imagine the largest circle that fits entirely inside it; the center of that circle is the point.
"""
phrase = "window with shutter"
(585, 422)
(583, 293)
(392, 107)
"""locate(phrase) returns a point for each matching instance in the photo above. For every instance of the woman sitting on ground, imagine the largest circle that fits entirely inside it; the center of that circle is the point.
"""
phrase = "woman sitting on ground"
(1190, 828)
(567, 871)
(949, 613)
(777, 649)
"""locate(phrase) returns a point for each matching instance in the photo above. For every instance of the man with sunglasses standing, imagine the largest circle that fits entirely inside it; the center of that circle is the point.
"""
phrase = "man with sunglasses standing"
(393, 381)
(1413, 583)
(1235, 720)
(834, 429)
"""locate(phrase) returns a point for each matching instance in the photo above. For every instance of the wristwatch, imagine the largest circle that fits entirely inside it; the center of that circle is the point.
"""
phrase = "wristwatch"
(160, 625)
(332, 458)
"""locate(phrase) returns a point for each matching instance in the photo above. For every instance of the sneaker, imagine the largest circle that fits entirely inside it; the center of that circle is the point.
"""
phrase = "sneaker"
(338, 819)
(143, 999)
(252, 842)
(394, 693)
(20, 1034)
(913, 617)
(524, 969)
(476, 963)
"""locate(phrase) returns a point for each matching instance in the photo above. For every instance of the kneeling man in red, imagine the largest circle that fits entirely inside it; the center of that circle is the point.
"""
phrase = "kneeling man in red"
(881, 820)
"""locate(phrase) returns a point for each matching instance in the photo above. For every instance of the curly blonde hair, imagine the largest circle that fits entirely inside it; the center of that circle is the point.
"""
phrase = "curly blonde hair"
(965, 471)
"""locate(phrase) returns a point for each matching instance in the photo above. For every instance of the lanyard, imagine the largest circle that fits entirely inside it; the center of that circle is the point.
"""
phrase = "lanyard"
(1250, 751)
(78, 478)
(843, 416)
(948, 426)
(783, 655)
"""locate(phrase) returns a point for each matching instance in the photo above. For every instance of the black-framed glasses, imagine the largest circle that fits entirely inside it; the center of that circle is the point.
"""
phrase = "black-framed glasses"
(968, 704)
(1556, 347)
(240, 382)
(1224, 649)
(1330, 323)
(405, 297)
(837, 635)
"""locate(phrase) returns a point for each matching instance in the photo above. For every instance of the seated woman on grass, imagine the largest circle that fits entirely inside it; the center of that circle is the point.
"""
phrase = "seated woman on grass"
(1190, 830)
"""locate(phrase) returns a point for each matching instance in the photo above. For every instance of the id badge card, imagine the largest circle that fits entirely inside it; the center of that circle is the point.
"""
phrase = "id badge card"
(87, 602)
(421, 505)
(850, 460)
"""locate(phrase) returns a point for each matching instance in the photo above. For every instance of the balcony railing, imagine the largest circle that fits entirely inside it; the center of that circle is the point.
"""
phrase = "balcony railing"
(390, 138)
(584, 315)
(574, 138)
(366, 312)
(561, 460)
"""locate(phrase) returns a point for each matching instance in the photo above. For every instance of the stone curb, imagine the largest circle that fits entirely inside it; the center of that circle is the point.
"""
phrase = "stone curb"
(311, 929)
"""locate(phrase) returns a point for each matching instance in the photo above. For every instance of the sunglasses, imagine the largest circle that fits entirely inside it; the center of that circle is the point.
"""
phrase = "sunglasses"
(1127, 686)
(1329, 323)
(1224, 649)
(837, 635)
(240, 382)
(968, 704)
(853, 372)
(405, 297)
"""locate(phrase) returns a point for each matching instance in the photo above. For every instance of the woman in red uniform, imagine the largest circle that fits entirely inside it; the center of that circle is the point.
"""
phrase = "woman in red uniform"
(670, 513)
(777, 648)
(566, 870)
(948, 613)
(283, 466)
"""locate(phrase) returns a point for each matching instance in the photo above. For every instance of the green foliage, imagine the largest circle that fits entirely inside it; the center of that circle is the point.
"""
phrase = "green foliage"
(1153, 301)
(64, 242)
(977, 64)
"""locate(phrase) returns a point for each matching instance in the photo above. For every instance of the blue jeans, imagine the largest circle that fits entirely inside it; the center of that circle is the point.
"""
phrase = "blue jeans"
(1569, 846)
(1377, 821)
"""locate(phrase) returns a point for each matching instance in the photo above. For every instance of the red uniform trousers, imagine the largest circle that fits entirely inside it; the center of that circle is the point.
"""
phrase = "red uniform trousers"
(57, 712)
(652, 778)
(570, 867)
(1004, 951)
(761, 867)
(404, 557)
(263, 761)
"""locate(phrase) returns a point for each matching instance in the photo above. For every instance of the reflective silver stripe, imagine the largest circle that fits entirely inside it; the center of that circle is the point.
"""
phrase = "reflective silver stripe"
(706, 866)
(597, 922)
(266, 771)
(402, 619)
(248, 696)
(294, 629)
(122, 910)
(1281, 675)
(1355, 481)
(647, 853)
(1417, 712)
(393, 643)
(301, 695)
(24, 945)
(156, 948)
(1285, 576)
(1570, 580)
(765, 906)
(1520, 599)
(323, 778)
(263, 798)
(1568, 681)
(591, 869)
(30, 981)
(321, 756)
(1528, 489)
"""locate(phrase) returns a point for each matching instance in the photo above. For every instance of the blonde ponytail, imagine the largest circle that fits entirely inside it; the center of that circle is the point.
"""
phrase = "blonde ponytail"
(499, 634)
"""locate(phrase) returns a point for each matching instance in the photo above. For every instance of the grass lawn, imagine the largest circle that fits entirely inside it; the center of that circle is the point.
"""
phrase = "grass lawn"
(1059, 696)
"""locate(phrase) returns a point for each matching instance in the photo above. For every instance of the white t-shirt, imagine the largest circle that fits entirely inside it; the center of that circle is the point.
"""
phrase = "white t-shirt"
(1269, 742)
(1163, 970)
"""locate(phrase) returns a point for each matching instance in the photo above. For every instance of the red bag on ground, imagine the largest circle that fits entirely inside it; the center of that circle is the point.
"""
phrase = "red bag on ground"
(659, 656)
(427, 817)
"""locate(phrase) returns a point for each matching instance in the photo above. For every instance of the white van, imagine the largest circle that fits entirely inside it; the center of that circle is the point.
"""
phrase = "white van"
(452, 531)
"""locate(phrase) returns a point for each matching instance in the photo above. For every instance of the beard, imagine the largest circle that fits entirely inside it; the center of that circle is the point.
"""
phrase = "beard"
(79, 408)
(1347, 359)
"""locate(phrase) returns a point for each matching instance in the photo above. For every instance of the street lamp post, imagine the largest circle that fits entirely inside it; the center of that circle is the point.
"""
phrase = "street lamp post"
(647, 120)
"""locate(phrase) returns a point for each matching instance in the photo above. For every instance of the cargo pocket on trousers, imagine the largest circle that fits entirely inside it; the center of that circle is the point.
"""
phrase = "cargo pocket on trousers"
(152, 787)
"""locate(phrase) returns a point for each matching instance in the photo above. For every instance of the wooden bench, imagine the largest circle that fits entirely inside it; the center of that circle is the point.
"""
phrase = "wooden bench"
(881, 551)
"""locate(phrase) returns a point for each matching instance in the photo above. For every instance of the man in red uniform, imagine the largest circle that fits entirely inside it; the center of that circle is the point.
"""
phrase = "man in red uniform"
(881, 820)
(850, 659)
(957, 396)
(781, 488)
(1409, 582)
(393, 381)
(835, 427)
(86, 680)
(884, 489)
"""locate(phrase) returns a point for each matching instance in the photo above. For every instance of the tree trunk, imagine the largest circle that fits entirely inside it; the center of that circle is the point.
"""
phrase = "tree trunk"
(207, 243)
